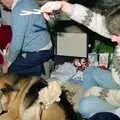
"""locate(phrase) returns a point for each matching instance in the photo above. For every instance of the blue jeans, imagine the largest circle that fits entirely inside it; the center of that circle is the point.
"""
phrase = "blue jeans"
(94, 76)
(92, 104)
(30, 63)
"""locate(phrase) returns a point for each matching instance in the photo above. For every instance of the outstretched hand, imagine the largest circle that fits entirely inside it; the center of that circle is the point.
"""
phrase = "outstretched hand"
(49, 8)
(95, 91)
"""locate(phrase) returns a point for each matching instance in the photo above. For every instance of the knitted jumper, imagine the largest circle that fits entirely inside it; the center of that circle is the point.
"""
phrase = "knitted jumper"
(92, 20)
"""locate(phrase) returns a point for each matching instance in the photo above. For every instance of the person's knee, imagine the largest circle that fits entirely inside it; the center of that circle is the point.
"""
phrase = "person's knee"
(84, 107)
(88, 106)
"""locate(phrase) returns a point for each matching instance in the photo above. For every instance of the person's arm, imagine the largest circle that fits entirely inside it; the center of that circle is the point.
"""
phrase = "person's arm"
(115, 65)
(79, 13)
(85, 16)
(19, 25)
(111, 96)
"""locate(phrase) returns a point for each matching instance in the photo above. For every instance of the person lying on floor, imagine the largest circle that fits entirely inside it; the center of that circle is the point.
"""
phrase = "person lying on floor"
(103, 88)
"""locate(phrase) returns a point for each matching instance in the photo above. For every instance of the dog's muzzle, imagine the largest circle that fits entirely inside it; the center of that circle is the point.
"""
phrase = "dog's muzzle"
(3, 93)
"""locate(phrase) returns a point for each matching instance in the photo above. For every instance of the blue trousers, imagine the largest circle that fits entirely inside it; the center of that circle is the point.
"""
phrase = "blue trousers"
(30, 63)
(94, 76)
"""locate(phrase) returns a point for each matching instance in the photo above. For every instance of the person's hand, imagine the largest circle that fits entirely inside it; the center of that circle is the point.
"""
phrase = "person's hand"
(5, 51)
(5, 66)
(6, 62)
(93, 91)
(116, 38)
(87, 94)
(49, 7)
(7, 47)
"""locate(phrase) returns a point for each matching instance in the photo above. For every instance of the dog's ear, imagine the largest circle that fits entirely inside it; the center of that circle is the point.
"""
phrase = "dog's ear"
(3, 82)
(4, 85)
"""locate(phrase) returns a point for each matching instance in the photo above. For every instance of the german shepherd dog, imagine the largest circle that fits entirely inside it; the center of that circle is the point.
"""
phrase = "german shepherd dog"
(19, 95)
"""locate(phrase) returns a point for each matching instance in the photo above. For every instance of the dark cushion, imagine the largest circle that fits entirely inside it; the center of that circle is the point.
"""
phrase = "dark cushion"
(104, 116)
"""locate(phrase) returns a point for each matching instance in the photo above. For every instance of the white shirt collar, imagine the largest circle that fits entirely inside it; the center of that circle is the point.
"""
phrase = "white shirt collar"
(14, 3)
